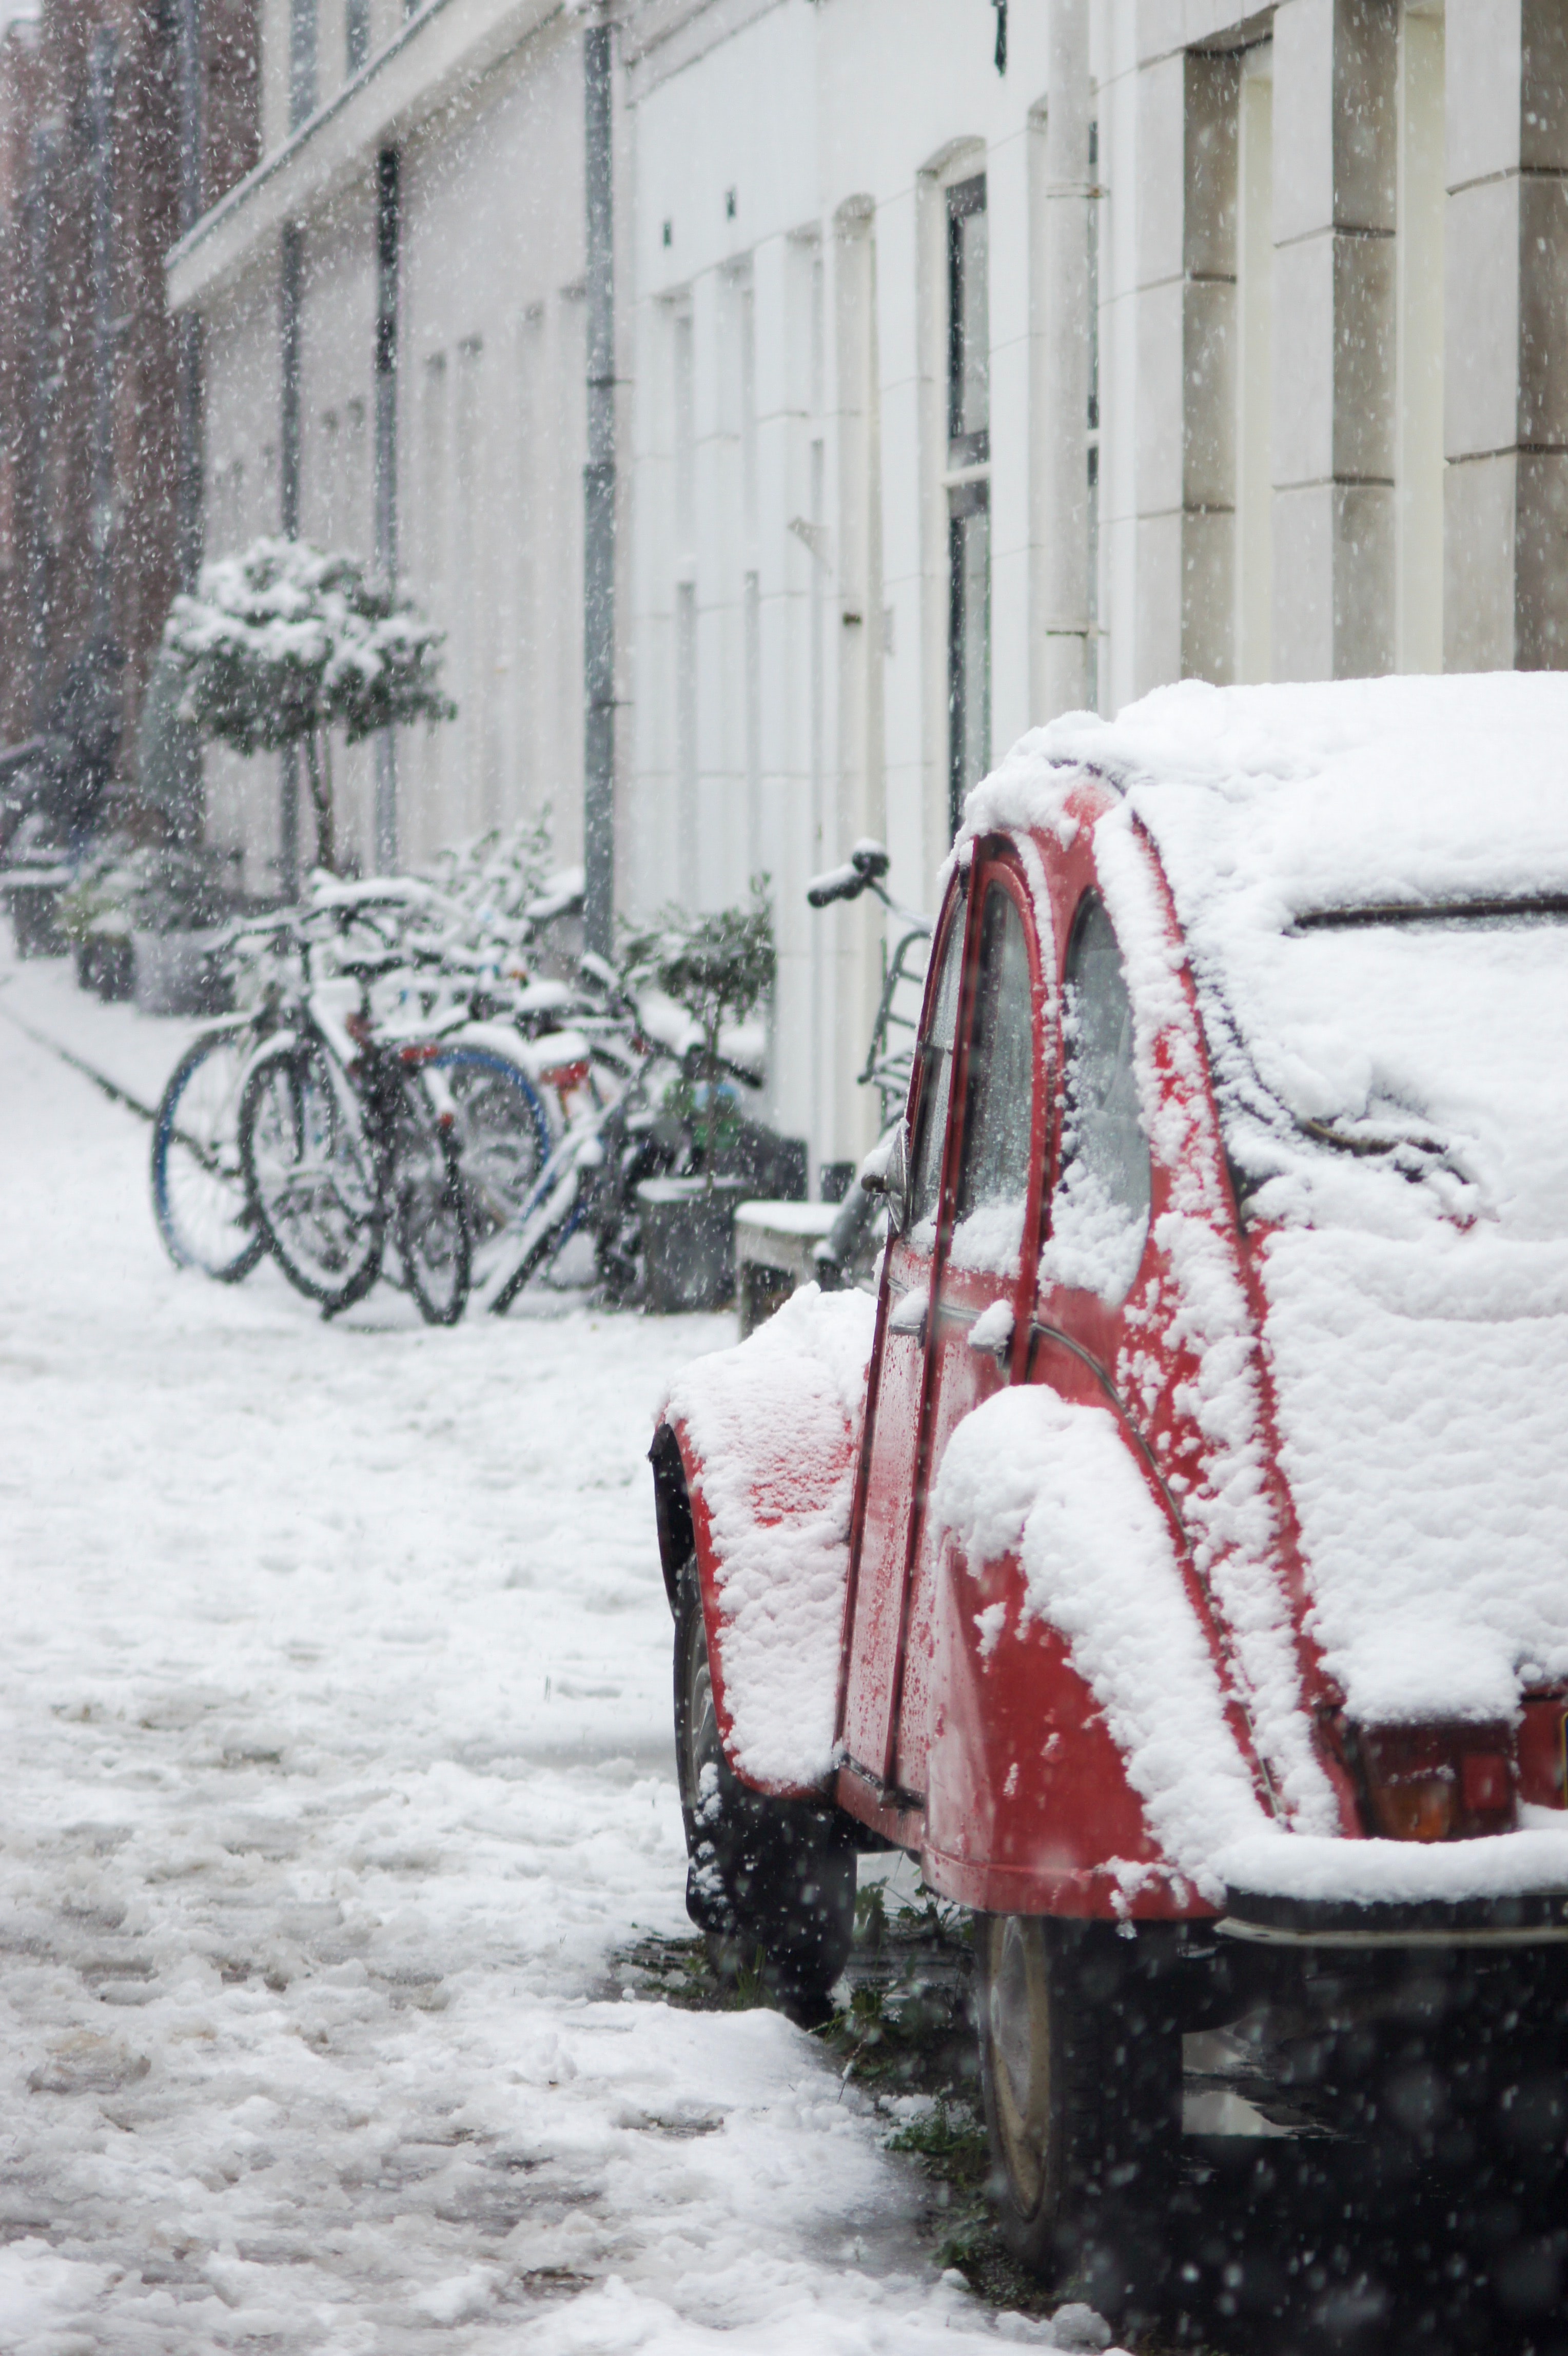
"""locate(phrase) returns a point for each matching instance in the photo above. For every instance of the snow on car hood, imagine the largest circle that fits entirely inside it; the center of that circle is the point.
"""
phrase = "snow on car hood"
(1396, 1108)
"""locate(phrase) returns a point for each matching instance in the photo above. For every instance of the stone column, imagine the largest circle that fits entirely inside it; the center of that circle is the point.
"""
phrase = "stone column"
(1062, 615)
(1186, 358)
(1335, 143)
(1506, 337)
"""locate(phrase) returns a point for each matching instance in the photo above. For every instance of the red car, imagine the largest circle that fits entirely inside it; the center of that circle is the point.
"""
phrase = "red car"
(1173, 1558)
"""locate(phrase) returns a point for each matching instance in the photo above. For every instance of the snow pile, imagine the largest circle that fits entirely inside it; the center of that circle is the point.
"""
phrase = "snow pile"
(1403, 1873)
(1422, 1390)
(1031, 1474)
(774, 1430)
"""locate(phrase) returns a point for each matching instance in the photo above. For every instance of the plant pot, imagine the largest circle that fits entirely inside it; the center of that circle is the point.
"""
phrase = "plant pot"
(32, 898)
(181, 973)
(688, 1242)
(106, 965)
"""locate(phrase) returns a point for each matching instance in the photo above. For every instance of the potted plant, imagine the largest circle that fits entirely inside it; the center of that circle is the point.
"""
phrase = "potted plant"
(95, 916)
(718, 967)
(283, 644)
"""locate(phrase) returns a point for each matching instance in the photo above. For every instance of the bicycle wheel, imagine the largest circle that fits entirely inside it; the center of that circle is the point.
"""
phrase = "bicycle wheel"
(503, 1137)
(311, 1171)
(200, 1200)
(431, 1216)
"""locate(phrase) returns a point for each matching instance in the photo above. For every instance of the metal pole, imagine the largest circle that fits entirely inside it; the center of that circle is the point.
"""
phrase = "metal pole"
(101, 102)
(598, 507)
(37, 442)
(290, 273)
(291, 269)
(189, 545)
(389, 233)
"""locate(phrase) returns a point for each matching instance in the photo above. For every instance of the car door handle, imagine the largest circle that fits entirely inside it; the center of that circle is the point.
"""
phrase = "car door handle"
(908, 1314)
(991, 1332)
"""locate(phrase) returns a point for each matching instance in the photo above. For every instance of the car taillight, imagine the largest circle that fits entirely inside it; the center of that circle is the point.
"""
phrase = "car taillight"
(1438, 1782)
(1543, 1752)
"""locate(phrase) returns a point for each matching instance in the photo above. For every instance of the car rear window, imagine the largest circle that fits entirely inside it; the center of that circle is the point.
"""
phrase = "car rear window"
(1416, 1056)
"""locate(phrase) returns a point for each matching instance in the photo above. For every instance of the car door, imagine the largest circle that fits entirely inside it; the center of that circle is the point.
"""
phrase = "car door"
(883, 1525)
(984, 1276)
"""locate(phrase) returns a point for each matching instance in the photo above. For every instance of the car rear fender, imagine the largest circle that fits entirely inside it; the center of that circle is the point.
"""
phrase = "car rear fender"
(754, 1464)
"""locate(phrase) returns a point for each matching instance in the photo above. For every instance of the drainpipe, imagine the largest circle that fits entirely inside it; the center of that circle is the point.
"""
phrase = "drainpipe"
(188, 527)
(41, 195)
(389, 233)
(598, 505)
(1064, 586)
(290, 271)
(101, 105)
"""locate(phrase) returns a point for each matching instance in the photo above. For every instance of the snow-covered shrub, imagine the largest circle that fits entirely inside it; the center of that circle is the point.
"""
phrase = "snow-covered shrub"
(284, 643)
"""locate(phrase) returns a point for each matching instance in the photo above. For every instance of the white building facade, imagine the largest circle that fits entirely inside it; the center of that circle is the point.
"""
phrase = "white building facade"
(978, 380)
(977, 363)
(417, 217)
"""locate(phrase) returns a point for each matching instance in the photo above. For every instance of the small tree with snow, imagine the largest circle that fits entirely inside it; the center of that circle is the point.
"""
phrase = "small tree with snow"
(283, 644)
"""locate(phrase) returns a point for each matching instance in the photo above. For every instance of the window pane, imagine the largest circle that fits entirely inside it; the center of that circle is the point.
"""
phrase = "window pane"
(1100, 1214)
(968, 325)
(999, 1114)
(968, 644)
(936, 1085)
(301, 62)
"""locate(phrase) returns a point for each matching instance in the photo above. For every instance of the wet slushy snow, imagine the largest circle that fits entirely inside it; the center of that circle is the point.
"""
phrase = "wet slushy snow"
(335, 1771)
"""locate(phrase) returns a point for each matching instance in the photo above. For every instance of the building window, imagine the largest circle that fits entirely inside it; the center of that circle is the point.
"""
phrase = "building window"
(968, 485)
(301, 62)
(355, 36)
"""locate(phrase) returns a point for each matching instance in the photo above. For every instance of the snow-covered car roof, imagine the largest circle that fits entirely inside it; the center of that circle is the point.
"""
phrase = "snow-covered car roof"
(1282, 815)
(1343, 792)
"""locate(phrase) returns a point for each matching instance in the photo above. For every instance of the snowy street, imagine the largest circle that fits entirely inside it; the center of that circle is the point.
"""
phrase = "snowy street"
(337, 1772)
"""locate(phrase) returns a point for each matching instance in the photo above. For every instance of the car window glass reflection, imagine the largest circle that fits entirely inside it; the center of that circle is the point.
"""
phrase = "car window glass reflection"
(1100, 1214)
(994, 1183)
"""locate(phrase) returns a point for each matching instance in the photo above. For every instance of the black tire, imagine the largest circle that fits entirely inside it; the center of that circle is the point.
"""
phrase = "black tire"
(769, 1882)
(201, 1200)
(1080, 2067)
(311, 1172)
(431, 1217)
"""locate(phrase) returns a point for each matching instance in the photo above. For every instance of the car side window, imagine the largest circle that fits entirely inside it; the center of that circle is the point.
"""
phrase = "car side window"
(1099, 1212)
(999, 1109)
(935, 1087)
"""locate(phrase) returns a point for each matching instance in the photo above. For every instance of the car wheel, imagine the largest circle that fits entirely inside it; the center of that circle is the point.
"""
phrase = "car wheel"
(1081, 2068)
(769, 1882)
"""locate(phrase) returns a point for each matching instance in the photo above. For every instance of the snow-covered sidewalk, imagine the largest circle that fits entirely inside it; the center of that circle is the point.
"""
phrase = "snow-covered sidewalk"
(335, 1768)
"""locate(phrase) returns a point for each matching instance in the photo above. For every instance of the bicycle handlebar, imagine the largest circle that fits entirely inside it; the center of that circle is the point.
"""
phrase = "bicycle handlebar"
(867, 864)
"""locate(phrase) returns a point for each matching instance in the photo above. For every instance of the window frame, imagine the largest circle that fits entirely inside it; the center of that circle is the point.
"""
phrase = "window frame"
(957, 929)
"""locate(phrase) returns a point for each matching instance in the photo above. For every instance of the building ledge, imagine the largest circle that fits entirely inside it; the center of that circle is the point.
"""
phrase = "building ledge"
(438, 54)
